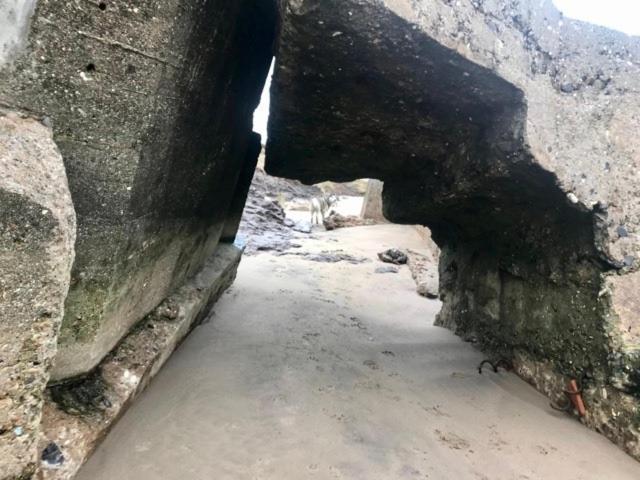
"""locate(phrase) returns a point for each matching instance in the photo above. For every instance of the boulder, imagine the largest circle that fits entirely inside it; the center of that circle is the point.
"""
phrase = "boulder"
(393, 255)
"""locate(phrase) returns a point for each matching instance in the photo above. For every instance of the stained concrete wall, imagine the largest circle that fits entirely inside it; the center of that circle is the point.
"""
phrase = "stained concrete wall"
(498, 125)
(151, 106)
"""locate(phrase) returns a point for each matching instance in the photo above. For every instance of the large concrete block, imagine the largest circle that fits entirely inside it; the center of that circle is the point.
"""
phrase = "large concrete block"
(372, 204)
(510, 132)
(37, 234)
(151, 105)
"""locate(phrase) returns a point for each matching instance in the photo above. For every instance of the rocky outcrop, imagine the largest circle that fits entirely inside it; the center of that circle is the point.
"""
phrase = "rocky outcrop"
(498, 125)
(37, 234)
(151, 106)
(264, 224)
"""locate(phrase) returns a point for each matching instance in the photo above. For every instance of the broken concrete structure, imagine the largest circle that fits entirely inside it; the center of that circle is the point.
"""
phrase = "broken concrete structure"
(372, 204)
(37, 233)
(150, 104)
(505, 128)
(510, 132)
(78, 415)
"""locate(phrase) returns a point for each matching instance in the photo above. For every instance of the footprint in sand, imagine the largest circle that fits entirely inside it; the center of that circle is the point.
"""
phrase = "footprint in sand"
(452, 440)
(371, 364)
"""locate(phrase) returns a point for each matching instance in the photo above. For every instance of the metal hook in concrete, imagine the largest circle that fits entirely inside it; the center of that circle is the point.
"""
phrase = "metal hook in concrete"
(574, 399)
(502, 362)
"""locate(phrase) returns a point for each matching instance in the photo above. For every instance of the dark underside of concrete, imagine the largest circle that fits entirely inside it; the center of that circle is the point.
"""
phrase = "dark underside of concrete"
(360, 91)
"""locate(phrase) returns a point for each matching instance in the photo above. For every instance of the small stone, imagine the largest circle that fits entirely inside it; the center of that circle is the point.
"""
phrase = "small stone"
(572, 198)
(302, 227)
(393, 255)
(18, 431)
(567, 87)
(622, 232)
(52, 455)
(629, 260)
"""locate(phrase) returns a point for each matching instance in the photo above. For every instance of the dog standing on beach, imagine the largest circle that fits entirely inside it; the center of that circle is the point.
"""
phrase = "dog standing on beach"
(319, 207)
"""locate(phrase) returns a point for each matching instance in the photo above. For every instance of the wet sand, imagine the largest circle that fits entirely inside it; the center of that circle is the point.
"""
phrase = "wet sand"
(310, 370)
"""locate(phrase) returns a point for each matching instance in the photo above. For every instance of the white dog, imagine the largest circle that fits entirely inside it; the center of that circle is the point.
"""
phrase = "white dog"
(319, 207)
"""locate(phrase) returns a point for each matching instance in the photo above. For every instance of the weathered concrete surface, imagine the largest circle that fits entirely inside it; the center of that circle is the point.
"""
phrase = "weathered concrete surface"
(499, 126)
(372, 206)
(151, 106)
(78, 415)
(37, 234)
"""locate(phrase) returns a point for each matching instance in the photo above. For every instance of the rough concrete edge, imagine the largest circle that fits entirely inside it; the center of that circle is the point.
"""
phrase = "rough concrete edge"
(128, 369)
(46, 185)
(613, 407)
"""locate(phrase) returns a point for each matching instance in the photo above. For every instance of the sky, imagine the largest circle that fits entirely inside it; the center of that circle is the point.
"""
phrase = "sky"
(261, 115)
(623, 15)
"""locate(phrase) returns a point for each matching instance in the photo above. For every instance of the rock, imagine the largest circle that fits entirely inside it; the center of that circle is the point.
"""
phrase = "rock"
(622, 232)
(424, 270)
(428, 286)
(329, 257)
(37, 235)
(167, 310)
(52, 455)
(336, 220)
(264, 185)
(303, 227)
(393, 255)
(572, 198)
(264, 226)
(386, 270)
